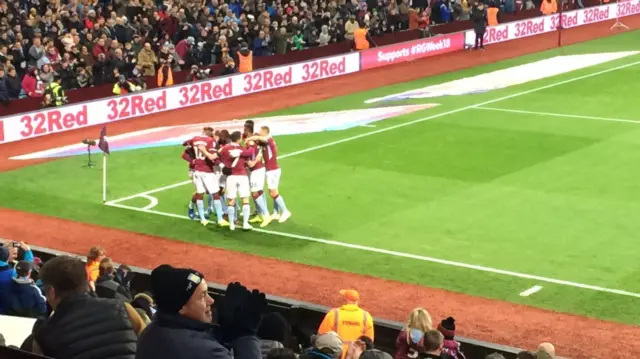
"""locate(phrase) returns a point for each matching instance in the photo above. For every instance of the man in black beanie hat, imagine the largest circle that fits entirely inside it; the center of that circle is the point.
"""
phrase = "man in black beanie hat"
(182, 326)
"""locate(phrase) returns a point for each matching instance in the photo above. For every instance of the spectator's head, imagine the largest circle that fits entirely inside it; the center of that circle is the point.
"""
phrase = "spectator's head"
(96, 254)
(147, 46)
(144, 302)
(526, 355)
(418, 323)
(182, 291)
(118, 53)
(494, 356)
(100, 42)
(448, 328)
(64, 63)
(2, 72)
(121, 79)
(62, 277)
(274, 327)
(23, 269)
(46, 68)
(12, 72)
(329, 344)
(351, 296)
(281, 353)
(106, 267)
(546, 348)
(432, 342)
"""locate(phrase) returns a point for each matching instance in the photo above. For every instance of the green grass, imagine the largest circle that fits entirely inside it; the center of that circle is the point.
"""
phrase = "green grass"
(550, 196)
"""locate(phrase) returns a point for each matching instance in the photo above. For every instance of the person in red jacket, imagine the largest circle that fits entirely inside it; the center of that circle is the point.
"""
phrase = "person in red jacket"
(31, 83)
(100, 48)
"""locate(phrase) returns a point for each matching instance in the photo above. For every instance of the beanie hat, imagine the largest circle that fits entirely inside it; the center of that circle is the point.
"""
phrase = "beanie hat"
(4, 253)
(172, 287)
(448, 328)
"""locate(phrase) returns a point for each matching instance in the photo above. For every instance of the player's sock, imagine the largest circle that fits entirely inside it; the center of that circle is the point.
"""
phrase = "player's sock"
(210, 202)
(200, 204)
(237, 207)
(218, 205)
(190, 204)
(276, 210)
(280, 202)
(231, 212)
(260, 204)
(223, 201)
(263, 203)
(246, 212)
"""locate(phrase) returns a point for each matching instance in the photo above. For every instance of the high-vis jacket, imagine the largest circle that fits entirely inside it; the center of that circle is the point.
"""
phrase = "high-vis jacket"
(350, 322)
(245, 62)
(360, 38)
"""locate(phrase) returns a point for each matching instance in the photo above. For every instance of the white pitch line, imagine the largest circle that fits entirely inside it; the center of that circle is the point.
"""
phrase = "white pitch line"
(408, 255)
(556, 114)
(153, 200)
(532, 290)
(352, 138)
(371, 126)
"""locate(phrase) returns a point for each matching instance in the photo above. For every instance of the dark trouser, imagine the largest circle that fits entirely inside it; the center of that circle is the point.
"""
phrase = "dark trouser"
(479, 40)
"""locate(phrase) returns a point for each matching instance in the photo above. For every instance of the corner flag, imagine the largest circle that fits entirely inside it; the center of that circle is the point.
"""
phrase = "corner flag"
(103, 144)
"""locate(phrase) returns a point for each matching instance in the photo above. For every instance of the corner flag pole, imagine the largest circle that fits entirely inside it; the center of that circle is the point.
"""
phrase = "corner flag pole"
(104, 178)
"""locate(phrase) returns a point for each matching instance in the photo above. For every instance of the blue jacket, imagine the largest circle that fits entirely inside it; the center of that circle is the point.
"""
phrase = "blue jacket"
(7, 273)
(26, 299)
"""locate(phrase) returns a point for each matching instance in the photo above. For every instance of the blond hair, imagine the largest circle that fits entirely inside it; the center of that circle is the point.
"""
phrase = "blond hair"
(418, 319)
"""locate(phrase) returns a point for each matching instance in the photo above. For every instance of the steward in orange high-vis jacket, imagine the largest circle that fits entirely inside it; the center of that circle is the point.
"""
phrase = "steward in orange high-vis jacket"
(349, 321)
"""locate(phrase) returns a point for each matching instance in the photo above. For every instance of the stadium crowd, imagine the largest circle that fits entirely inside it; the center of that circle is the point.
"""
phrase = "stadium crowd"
(82, 43)
(176, 318)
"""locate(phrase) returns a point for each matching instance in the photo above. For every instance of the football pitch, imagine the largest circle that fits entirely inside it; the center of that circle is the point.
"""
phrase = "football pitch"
(527, 193)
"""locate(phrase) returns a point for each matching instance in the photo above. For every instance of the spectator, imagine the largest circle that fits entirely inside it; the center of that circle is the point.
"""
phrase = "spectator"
(36, 53)
(124, 275)
(31, 83)
(96, 255)
(184, 45)
(548, 7)
(281, 41)
(165, 74)
(47, 74)
(325, 345)
(229, 68)
(24, 298)
(184, 317)
(432, 345)
(101, 70)
(14, 87)
(106, 286)
(493, 15)
(274, 332)
(144, 302)
(123, 86)
(360, 321)
(147, 59)
(373, 354)
(324, 38)
(55, 93)
(245, 58)
(114, 324)
(298, 40)
(450, 346)
(4, 88)
(350, 27)
(261, 45)
(100, 49)
(84, 78)
(494, 356)
(67, 75)
(410, 337)
(545, 350)
(479, 19)
(7, 272)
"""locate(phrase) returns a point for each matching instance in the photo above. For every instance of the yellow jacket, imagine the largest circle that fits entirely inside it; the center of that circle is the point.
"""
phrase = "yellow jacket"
(350, 322)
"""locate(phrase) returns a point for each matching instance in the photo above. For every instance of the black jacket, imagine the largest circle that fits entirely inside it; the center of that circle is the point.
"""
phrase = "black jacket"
(84, 327)
(4, 92)
(14, 86)
(107, 287)
(169, 336)
(26, 299)
(479, 19)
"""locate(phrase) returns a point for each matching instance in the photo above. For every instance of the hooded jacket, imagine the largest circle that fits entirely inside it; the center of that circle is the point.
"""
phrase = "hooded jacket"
(26, 299)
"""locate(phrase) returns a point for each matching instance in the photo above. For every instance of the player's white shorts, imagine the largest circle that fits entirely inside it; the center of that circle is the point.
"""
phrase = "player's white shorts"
(191, 173)
(273, 179)
(223, 180)
(238, 185)
(205, 182)
(256, 178)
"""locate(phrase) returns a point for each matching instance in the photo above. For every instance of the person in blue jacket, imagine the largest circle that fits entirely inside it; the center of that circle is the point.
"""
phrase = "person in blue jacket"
(25, 298)
(8, 254)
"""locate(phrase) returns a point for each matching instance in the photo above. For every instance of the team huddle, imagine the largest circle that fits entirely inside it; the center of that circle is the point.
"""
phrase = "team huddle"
(226, 166)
